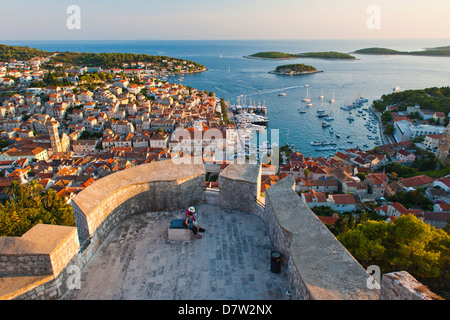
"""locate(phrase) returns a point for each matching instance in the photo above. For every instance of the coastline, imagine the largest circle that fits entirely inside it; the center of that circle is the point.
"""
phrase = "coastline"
(259, 58)
(181, 73)
(304, 57)
(380, 123)
(294, 73)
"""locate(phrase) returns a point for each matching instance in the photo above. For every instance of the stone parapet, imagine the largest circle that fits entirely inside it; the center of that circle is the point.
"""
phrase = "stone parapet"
(43, 250)
(318, 266)
(403, 286)
(36, 259)
(157, 186)
(239, 187)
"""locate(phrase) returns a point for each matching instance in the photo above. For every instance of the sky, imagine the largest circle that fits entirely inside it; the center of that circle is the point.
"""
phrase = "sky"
(225, 19)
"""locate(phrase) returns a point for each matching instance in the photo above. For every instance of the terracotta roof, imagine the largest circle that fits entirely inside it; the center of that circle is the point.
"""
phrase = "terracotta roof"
(444, 206)
(437, 216)
(328, 220)
(445, 181)
(400, 118)
(343, 199)
(416, 181)
(320, 196)
(399, 207)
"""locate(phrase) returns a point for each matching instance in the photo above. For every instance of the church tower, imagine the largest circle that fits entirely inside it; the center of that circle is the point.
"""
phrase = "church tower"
(444, 145)
(54, 137)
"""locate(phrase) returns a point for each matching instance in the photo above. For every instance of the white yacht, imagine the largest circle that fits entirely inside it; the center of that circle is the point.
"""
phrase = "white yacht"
(332, 99)
(307, 99)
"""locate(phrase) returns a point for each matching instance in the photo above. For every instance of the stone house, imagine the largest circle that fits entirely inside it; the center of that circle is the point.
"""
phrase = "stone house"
(405, 156)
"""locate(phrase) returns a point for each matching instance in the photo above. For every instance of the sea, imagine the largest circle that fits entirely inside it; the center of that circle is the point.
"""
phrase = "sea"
(242, 80)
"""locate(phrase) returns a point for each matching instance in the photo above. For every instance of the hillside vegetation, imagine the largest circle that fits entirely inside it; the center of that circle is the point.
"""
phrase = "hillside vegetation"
(111, 60)
(322, 55)
(296, 68)
(20, 53)
(438, 51)
(436, 99)
(104, 60)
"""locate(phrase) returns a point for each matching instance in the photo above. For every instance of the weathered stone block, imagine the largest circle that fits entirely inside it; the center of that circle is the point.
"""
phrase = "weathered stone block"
(403, 286)
(180, 234)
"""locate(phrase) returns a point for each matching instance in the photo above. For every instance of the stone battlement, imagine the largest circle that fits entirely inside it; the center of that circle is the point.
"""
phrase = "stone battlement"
(37, 265)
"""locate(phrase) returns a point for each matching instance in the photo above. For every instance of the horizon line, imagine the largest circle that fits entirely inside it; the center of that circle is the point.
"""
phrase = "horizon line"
(287, 39)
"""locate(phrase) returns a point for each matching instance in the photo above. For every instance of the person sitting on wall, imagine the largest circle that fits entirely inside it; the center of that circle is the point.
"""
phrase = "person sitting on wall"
(195, 222)
(189, 223)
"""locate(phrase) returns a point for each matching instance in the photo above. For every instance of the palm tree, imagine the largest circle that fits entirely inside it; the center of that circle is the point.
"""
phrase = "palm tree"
(49, 199)
(34, 188)
(13, 189)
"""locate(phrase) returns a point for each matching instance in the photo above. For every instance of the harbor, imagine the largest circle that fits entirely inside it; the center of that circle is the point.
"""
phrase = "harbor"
(252, 117)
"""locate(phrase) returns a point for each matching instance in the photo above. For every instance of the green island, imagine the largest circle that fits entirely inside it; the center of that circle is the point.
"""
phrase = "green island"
(436, 52)
(281, 55)
(295, 69)
(103, 60)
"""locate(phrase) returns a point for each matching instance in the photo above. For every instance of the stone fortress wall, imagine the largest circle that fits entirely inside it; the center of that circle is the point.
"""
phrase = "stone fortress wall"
(42, 263)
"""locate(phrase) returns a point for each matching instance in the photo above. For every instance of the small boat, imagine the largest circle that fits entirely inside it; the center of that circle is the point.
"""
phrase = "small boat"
(396, 89)
(321, 96)
(282, 93)
(349, 141)
(325, 124)
(309, 104)
(333, 100)
(301, 110)
(331, 130)
(307, 99)
(338, 135)
(320, 110)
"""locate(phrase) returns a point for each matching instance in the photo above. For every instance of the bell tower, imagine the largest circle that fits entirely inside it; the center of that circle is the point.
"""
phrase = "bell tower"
(444, 145)
(54, 137)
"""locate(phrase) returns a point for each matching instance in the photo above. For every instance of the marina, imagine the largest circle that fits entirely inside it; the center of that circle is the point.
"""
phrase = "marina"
(253, 116)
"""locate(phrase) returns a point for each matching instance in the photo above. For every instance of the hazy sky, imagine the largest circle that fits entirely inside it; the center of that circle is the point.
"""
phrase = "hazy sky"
(225, 19)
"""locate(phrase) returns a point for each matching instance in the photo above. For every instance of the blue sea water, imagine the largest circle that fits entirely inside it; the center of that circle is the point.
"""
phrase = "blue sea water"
(231, 76)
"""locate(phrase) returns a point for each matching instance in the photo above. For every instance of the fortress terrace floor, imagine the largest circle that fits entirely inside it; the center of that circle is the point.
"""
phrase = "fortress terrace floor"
(138, 262)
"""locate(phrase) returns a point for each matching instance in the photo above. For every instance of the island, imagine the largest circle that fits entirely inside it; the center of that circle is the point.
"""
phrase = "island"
(436, 52)
(295, 69)
(281, 55)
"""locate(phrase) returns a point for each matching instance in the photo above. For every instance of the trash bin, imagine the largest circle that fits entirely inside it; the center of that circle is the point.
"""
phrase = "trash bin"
(275, 262)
